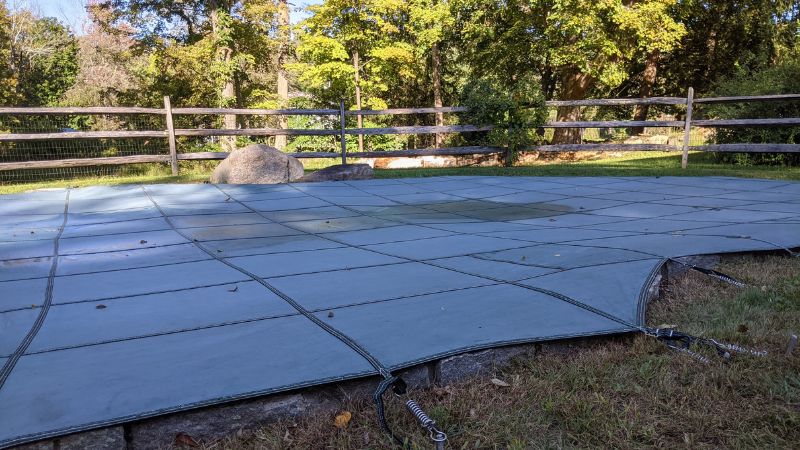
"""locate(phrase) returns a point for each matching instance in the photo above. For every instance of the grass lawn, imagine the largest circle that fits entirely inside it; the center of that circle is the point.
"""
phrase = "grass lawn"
(631, 164)
(623, 393)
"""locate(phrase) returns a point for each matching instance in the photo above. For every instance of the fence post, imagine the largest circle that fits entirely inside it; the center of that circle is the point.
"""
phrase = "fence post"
(173, 152)
(342, 135)
(687, 128)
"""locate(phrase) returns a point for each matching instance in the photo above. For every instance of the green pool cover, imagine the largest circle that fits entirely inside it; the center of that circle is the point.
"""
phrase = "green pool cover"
(119, 303)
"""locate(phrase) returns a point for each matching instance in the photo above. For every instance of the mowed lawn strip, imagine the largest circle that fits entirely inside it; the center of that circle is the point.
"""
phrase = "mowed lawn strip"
(629, 164)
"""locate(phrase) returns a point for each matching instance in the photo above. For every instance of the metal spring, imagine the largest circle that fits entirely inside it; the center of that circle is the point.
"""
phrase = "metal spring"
(694, 355)
(423, 418)
(739, 349)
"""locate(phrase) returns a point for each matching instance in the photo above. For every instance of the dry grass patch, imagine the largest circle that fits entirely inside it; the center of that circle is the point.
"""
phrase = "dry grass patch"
(626, 393)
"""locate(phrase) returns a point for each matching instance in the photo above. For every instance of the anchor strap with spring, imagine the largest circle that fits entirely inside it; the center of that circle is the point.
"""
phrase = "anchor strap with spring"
(399, 388)
(718, 275)
(683, 342)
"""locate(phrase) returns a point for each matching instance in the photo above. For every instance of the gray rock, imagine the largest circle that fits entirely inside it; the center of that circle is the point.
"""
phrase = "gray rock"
(341, 172)
(257, 164)
(481, 362)
(216, 422)
(110, 438)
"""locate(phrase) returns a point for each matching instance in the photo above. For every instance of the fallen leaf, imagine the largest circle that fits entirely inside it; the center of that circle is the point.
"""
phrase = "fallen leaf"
(499, 382)
(185, 439)
(343, 419)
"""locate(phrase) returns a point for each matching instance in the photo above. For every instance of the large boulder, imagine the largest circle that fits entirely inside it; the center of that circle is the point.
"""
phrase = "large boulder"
(257, 164)
(341, 172)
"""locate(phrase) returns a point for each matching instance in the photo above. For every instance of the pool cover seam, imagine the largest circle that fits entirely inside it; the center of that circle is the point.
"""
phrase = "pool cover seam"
(330, 330)
(222, 398)
(8, 367)
(340, 245)
(257, 319)
(533, 288)
(453, 233)
(562, 296)
(258, 393)
(428, 208)
(651, 202)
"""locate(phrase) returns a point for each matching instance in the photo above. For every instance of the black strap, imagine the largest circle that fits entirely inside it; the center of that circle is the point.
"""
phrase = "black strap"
(398, 387)
(719, 275)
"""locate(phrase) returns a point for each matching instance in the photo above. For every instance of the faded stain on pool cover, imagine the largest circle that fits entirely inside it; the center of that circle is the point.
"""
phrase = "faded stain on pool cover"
(118, 303)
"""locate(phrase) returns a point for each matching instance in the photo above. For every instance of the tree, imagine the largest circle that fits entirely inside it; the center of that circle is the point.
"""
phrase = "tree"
(8, 82)
(44, 57)
(574, 45)
(430, 20)
(204, 51)
(724, 38)
(106, 74)
(284, 45)
(351, 32)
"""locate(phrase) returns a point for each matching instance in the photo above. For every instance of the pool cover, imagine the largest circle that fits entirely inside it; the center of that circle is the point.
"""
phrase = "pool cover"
(119, 303)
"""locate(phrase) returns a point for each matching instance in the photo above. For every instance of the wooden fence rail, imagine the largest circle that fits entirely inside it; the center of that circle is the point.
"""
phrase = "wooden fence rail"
(172, 133)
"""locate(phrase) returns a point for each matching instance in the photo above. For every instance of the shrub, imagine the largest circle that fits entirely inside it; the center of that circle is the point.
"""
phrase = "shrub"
(514, 111)
(781, 78)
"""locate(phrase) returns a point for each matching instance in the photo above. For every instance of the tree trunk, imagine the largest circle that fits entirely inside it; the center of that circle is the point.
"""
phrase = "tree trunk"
(646, 89)
(436, 69)
(357, 68)
(548, 87)
(228, 90)
(283, 82)
(574, 85)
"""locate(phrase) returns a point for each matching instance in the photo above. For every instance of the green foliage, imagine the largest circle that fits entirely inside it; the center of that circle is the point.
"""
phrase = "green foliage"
(514, 112)
(561, 37)
(8, 81)
(780, 79)
(724, 38)
(50, 67)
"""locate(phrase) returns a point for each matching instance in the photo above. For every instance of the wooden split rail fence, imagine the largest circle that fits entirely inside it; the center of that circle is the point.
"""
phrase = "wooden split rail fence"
(172, 133)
